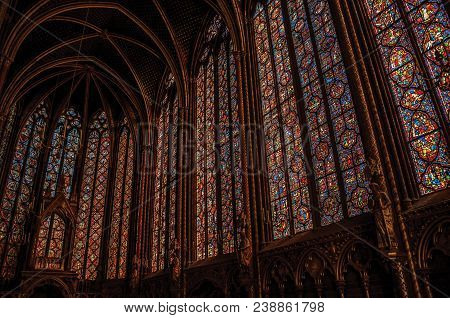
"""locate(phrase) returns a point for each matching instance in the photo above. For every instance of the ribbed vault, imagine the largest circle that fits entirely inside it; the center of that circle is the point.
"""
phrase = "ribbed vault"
(126, 46)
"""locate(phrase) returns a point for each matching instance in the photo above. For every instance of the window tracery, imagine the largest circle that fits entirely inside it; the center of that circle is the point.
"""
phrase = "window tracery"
(17, 193)
(118, 242)
(50, 243)
(64, 149)
(313, 147)
(413, 38)
(89, 227)
(218, 154)
(165, 196)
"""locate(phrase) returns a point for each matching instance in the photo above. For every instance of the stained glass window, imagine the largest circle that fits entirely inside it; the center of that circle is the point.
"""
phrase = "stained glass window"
(64, 149)
(5, 134)
(165, 196)
(50, 243)
(89, 227)
(16, 196)
(309, 118)
(120, 223)
(413, 37)
(218, 161)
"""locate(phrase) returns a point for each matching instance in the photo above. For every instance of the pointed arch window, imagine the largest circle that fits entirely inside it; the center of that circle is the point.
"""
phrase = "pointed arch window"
(165, 196)
(91, 209)
(120, 223)
(16, 197)
(413, 38)
(50, 243)
(64, 148)
(219, 200)
(314, 152)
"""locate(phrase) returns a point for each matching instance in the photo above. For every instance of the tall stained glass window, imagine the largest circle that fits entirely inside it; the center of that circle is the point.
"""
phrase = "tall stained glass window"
(165, 196)
(314, 152)
(413, 37)
(120, 223)
(50, 243)
(218, 156)
(91, 210)
(64, 149)
(16, 196)
(5, 134)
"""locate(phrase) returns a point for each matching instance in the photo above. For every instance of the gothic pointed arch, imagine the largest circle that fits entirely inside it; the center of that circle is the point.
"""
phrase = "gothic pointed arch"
(122, 204)
(65, 145)
(91, 210)
(411, 40)
(16, 196)
(315, 156)
(166, 177)
(219, 194)
(53, 240)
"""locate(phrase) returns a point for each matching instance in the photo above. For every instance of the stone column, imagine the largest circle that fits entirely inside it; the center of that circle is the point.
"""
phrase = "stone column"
(367, 134)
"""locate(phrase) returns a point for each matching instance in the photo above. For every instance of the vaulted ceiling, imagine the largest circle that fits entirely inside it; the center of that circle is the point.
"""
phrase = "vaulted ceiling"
(125, 47)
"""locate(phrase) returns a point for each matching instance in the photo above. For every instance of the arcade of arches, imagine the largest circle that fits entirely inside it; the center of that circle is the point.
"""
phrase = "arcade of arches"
(224, 148)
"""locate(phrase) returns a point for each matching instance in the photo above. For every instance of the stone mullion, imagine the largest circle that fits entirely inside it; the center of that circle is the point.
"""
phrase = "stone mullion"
(300, 107)
(38, 186)
(258, 167)
(149, 193)
(113, 181)
(79, 169)
(204, 163)
(23, 257)
(329, 122)
(184, 176)
(247, 167)
(169, 179)
(205, 159)
(84, 134)
(9, 156)
(368, 135)
(14, 209)
(161, 210)
(256, 172)
(33, 227)
(280, 121)
(63, 154)
(152, 184)
(142, 255)
(392, 115)
(126, 162)
(422, 65)
(189, 164)
(229, 126)
(217, 148)
(49, 235)
(94, 191)
(250, 203)
(179, 179)
(383, 141)
(375, 96)
(134, 206)
(109, 200)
